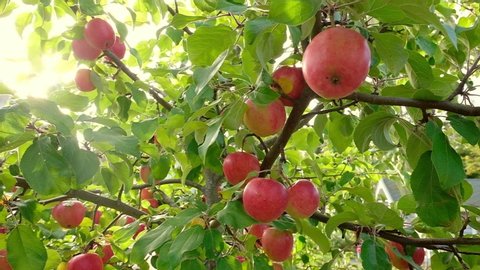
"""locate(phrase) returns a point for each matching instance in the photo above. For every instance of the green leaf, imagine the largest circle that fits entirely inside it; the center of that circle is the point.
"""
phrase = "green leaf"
(446, 161)
(293, 12)
(69, 100)
(110, 180)
(375, 127)
(391, 50)
(264, 96)
(179, 21)
(145, 130)
(113, 138)
(123, 107)
(45, 170)
(338, 219)
(234, 115)
(158, 236)
(255, 27)
(417, 144)
(213, 243)
(187, 240)
(85, 164)
(340, 130)
(22, 21)
(210, 137)
(200, 45)
(419, 71)
(374, 256)
(384, 215)
(27, 209)
(435, 207)
(234, 215)
(48, 110)
(465, 127)
(231, 263)
(315, 234)
(269, 44)
(160, 166)
(202, 76)
(25, 250)
(89, 7)
(407, 204)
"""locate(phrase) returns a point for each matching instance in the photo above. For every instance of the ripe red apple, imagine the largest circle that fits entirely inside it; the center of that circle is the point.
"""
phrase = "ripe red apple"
(264, 120)
(238, 166)
(153, 203)
(265, 199)
(140, 229)
(107, 253)
(277, 244)
(303, 199)
(4, 265)
(99, 34)
(145, 173)
(118, 48)
(146, 194)
(336, 62)
(258, 229)
(87, 261)
(241, 259)
(69, 214)
(289, 82)
(96, 218)
(418, 255)
(83, 80)
(83, 51)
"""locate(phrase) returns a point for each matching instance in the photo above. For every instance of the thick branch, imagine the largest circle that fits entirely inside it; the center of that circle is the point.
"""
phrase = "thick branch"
(152, 90)
(212, 182)
(415, 103)
(429, 243)
(288, 129)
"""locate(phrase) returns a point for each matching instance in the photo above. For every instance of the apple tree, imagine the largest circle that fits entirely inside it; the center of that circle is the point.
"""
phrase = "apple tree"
(243, 134)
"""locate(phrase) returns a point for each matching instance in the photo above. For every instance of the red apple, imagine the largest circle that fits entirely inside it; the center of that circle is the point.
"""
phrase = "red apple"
(4, 265)
(258, 229)
(107, 253)
(69, 214)
(83, 51)
(87, 261)
(140, 229)
(146, 194)
(289, 82)
(83, 80)
(99, 34)
(265, 199)
(238, 166)
(277, 244)
(418, 255)
(3, 230)
(303, 199)
(153, 203)
(264, 120)
(336, 62)
(145, 173)
(96, 218)
(241, 259)
(118, 49)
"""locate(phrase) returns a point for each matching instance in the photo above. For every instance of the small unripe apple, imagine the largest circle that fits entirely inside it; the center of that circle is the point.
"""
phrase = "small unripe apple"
(265, 199)
(264, 120)
(336, 62)
(118, 49)
(258, 229)
(99, 34)
(87, 261)
(238, 166)
(303, 199)
(84, 51)
(61, 266)
(4, 265)
(418, 255)
(69, 214)
(145, 173)
(107, 253)
(83, 80)
(277, 244)
(289, 82)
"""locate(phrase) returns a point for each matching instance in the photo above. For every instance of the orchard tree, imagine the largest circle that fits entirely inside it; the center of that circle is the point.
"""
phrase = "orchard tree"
(122, 168)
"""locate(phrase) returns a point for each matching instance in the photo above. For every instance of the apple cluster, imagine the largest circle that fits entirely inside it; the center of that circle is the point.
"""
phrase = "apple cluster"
(98, 36)
(266, 199)
(335, 64)
(417, 254)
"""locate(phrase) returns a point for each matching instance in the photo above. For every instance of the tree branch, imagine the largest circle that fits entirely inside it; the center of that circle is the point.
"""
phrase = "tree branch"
(152, 90)
(171, 181)
(288, 129)
(415, 103)
(464, 80)
(173, 12)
